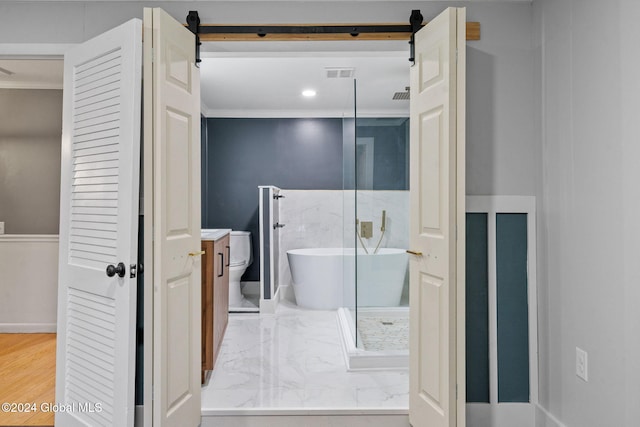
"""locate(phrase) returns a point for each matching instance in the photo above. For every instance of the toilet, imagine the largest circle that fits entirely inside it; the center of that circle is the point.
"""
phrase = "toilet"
(240, 258)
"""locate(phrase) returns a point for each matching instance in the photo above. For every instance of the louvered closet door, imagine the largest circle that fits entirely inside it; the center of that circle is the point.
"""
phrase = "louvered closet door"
(95, 367)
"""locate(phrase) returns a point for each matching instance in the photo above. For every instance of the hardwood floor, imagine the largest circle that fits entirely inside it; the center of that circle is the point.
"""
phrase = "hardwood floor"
(27, 375)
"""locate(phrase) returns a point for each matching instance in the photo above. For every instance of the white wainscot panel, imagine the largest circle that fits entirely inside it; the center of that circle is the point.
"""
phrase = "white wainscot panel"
(28, 283)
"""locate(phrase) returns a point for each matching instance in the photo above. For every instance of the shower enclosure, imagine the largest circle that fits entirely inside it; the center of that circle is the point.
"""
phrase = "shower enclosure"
(375, 319)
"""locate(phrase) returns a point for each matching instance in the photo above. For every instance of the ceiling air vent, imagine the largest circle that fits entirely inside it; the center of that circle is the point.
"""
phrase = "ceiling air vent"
(339, 72)
(401, 95)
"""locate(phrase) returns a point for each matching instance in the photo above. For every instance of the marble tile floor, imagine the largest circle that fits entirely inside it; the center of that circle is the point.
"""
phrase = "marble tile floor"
(292, 363)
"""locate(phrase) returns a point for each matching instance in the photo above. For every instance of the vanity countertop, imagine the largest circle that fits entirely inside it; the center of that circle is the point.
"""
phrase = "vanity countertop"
(214, 233)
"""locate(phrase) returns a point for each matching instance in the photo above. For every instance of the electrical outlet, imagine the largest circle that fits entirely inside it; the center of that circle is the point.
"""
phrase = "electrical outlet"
(582, 366)
(1, 227)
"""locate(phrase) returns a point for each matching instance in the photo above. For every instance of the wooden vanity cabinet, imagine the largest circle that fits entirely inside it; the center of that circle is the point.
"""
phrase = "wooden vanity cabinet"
(215, 299)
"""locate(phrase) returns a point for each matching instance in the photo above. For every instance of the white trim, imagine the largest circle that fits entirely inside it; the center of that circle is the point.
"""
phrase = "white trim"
(293, 411)
(139, 416)
(500, 415)
(502, 204)
(29, 238)
(34, 50)
(267, 114)
(492, 306)
(306, 54)
(545, 419)
(269, 306)
(30, 85)
(272, 265)
(491, 205)
(260, 240)
(357, 359)
(309, 418)
(28, 328)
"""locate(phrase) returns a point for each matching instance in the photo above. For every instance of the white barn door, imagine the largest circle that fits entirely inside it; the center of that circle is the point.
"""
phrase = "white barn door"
(95, 366)
(436, 358)
(172, 198)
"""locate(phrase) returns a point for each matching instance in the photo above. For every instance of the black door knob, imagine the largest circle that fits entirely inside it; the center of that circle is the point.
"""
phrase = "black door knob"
(113, 270)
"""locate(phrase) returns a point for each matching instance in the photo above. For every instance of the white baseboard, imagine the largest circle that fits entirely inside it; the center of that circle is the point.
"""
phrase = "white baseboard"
(269, 306)
(138, 420)
(545, 419)
(501, 415)
(27, 328)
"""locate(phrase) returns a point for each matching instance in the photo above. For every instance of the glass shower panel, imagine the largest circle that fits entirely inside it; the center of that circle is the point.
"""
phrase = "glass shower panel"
(349, 208)
(382, 210)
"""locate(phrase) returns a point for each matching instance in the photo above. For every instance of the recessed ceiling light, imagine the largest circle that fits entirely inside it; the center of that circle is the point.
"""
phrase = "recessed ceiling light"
(309, 93)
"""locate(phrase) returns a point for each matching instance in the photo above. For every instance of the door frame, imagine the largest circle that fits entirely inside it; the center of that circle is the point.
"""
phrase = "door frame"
(56, 51)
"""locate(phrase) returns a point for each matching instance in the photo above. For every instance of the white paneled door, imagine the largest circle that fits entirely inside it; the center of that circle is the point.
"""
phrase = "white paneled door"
(95, 366)
(172, 212)
(437, 391)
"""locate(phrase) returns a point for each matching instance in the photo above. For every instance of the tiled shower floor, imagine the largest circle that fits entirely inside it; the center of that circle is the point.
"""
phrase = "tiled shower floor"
(380, 333)
(292, 362)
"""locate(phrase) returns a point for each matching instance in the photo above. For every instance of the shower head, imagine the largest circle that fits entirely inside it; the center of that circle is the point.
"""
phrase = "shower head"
(384, 220)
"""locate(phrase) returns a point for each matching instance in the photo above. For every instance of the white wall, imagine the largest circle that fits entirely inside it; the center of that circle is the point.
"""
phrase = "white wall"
(590, 296)
(503, 78)
(502, 148)
(28, 283)
(30, 135)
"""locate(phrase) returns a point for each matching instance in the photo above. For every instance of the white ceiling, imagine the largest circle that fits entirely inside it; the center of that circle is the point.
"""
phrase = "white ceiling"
(267, 85)
(31, 74)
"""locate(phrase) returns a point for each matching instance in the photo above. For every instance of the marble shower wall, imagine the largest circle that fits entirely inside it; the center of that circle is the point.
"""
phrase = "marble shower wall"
(316, 219)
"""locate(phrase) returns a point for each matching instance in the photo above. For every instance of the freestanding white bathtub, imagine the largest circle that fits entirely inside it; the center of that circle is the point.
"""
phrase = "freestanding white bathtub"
(323, 278)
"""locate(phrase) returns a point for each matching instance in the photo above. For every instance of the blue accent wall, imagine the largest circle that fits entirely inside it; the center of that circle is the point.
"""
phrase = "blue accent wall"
(477, 308)
(512, 306)
(242, 154)
(391, 151)
(239, 154)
